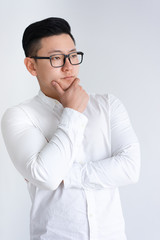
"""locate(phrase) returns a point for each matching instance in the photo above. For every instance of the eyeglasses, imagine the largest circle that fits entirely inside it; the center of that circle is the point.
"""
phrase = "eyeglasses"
(58, 60)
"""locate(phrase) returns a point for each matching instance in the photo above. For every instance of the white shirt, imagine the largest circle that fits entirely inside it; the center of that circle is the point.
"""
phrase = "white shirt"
(74, 163)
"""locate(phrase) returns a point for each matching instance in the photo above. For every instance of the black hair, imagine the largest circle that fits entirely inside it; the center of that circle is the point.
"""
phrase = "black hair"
(33, 34)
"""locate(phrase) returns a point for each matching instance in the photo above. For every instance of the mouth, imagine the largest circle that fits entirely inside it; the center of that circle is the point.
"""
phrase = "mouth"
(68, 77)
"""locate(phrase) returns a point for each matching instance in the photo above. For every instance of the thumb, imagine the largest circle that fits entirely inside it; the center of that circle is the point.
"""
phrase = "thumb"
(58, 88)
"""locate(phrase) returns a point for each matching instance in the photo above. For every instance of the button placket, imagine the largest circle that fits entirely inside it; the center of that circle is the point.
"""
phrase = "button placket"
(91, 214)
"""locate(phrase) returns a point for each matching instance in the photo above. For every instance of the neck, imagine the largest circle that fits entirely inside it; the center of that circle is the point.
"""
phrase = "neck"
(51, 94)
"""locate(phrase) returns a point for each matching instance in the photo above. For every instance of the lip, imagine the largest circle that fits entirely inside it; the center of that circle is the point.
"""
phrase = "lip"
(68, 77)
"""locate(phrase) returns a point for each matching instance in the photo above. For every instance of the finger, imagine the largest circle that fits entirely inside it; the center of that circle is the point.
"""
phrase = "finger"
(58, 88)
(75, 82)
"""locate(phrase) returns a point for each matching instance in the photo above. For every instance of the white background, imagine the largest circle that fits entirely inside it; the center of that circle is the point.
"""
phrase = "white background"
(121, 41)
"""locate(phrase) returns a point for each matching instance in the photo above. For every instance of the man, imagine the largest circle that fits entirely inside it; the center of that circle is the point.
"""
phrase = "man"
(74, 150)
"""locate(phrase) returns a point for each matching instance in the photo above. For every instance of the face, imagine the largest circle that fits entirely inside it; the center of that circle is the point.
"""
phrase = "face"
(43, 70)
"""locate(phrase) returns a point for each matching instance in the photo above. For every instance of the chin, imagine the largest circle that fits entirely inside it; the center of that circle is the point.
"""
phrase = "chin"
(65, 86)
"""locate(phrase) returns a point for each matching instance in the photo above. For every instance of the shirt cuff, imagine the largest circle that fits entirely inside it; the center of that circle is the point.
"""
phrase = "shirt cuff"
(73, 119)
(74, 124)
(73, 178)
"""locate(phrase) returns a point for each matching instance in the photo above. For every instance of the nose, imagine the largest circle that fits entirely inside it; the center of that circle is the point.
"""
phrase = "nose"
(67, 66)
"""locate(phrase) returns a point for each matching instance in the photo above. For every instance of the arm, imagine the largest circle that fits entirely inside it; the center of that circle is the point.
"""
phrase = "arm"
(122, 167)
(42, 163)
(45, 164)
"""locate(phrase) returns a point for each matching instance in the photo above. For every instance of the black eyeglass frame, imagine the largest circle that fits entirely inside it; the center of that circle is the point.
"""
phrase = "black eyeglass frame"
(65, 56)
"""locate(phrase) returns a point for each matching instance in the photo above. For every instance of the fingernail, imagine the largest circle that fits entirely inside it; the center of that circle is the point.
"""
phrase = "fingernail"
(53, 82)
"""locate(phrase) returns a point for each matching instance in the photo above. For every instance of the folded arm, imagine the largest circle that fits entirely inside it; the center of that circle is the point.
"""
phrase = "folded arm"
(122, 167)
(41, 162)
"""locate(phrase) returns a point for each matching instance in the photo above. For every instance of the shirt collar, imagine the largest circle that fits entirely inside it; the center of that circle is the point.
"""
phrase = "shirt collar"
(48, 100)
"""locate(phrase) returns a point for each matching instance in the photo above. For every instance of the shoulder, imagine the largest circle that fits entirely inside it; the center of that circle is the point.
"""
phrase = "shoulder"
(107, 103)
(18, 114)
(106, 100)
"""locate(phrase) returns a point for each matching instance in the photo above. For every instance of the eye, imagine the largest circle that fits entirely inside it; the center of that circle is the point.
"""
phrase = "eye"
(73, 55)
(55, 58)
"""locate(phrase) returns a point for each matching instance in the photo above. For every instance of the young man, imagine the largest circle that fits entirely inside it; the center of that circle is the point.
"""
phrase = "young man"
(74, 150)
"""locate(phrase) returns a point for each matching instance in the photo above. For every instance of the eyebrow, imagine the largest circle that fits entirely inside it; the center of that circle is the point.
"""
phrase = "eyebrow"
(59, 51)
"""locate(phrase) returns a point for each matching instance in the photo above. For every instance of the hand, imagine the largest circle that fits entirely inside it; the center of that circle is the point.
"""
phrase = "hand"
(74, 97)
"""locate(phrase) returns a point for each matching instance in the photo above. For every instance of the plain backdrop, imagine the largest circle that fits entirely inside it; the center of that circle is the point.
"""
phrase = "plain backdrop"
(121, 42)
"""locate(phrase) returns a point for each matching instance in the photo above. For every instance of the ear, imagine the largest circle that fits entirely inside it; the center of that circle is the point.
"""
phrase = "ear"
(30, 65)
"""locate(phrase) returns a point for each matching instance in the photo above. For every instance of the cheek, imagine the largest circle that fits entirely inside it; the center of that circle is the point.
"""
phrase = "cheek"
(76, 70)
(49, 75)
(56, 75)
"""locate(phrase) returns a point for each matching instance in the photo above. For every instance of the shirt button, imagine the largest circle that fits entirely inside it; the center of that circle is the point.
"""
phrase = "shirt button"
(90, 215)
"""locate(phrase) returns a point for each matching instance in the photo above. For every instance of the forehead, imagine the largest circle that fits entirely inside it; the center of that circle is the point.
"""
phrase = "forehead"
(62, 42)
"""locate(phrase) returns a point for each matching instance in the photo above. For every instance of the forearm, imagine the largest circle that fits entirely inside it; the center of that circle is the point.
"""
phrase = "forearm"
(123, 164)
(118, 170)
(43, 163)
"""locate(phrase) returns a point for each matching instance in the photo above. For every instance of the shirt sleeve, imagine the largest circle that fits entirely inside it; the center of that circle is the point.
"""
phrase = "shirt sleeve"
(122, 167)
(44, 164)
